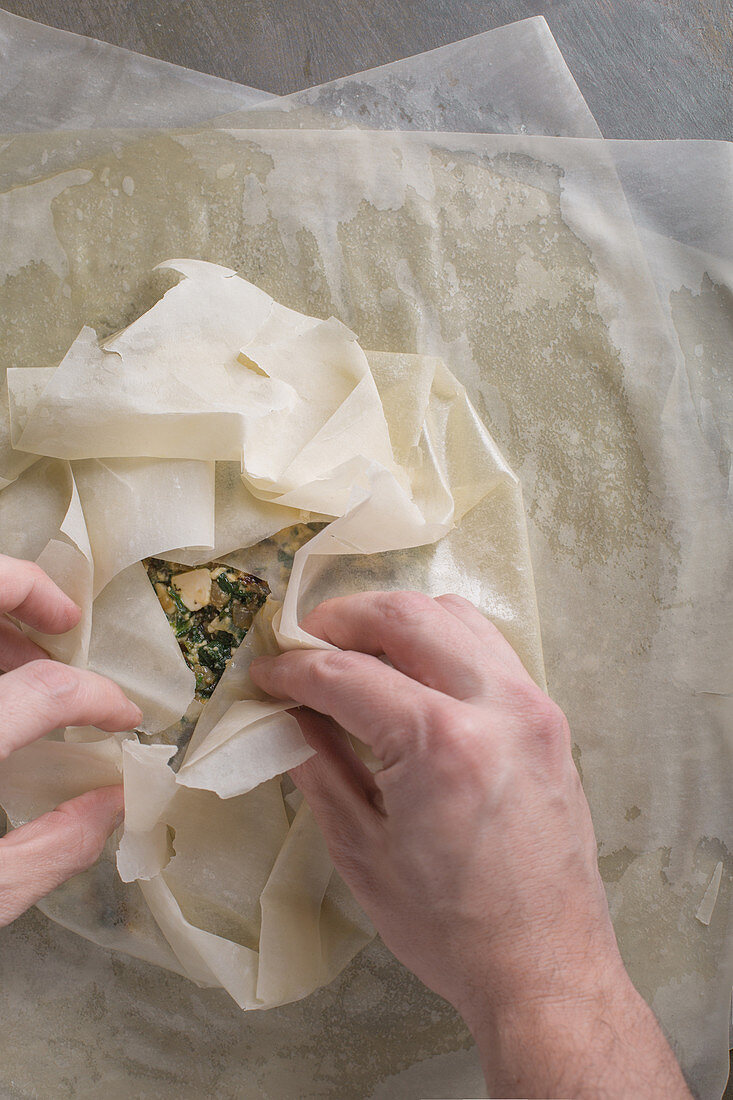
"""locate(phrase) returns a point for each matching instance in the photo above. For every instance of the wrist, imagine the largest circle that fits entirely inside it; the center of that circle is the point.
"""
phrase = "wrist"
(527, 1039)
(523, 975)
(594, 1037)
(508, 1012)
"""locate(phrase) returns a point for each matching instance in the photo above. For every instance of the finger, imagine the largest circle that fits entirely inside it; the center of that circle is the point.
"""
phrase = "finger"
(486, 632)
(417, 635)
(43, 695)
(15, 648)
(340, 792)
(39, 856)
(335, 773)
(387, 710)
(30, 595)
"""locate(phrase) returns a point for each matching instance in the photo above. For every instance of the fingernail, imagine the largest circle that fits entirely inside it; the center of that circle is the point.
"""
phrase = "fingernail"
(259, 661)
(136, 713)
(73, 607)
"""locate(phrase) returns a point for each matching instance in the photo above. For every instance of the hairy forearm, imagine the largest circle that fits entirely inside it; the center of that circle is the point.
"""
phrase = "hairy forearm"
(605, 1045)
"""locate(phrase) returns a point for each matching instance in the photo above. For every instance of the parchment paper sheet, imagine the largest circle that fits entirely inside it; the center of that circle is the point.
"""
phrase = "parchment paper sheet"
(623, 476)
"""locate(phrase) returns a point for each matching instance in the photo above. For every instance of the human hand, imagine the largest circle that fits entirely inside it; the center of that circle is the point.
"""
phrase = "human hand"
(38, 695)
(472, 849)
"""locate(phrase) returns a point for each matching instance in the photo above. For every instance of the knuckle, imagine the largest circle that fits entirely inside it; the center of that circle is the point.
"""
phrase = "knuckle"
(404, 607)
(17, 582)
(329, 607)
(21, 572)
(332, 665)
(52, 679)
(32, 570)
(458, 727)
(79, 843)
(454, 748)
(454, 600)
(452, 726)
(542, 714)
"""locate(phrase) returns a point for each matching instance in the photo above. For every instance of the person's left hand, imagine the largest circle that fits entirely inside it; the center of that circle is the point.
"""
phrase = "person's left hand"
(38, 695)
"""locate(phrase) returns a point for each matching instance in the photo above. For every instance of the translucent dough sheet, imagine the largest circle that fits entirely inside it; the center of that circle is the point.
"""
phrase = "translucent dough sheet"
(52, 79)
(603, 386)
(512, 79)
(509, 79)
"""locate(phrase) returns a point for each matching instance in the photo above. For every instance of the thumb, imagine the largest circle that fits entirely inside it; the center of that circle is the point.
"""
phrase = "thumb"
(37, 857)
(336, 784)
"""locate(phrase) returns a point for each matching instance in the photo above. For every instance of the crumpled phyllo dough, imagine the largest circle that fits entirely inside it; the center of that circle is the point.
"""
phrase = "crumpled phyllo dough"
(215, 370)
(215, 421)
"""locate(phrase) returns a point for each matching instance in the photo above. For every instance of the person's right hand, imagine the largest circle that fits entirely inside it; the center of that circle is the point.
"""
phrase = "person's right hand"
(472, 849)
(38, 695)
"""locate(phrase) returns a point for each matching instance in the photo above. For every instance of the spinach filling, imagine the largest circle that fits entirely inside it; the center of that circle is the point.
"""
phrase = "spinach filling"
(210, 609)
